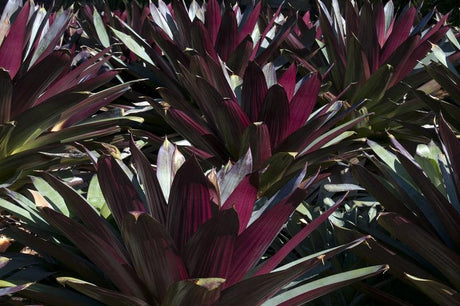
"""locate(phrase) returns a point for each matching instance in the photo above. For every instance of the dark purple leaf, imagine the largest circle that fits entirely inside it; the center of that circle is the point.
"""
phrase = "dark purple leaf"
(189, 203)
(103, 295)
(153, 253)
(226, 40)
(239, 59)
(155, 200)
(119, 193)
(209, 251)
(254, 91)
(203, 291)
(183, 23)
(257, 139)
(201, 41)
(264, 33)
(367, 37)
(28, 88)
(80, 208)
(99, 252)
(275, 114)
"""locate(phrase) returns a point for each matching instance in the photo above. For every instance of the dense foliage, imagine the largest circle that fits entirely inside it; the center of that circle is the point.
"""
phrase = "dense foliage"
(225, 153)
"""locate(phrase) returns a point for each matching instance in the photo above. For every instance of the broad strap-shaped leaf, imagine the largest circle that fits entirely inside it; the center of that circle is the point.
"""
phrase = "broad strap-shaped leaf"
(155, 200)
(255, 240)
(209, 251)
(429, 247)
(254, 91)
(153, 253)
(248, 27)
(119, 193)
(288, 80)
(28, 127)
(189, 203)
(303, 102)
(257, 139)
(67, 258)
(169, 160)
(445, 211)
(28, 88)
(242, 200)
(213, 19)
(80, 208)
(120, 272)
(276, 259)
(103, 295)
(258, 289)
(437, 291)
(227, 37)
(275, 113)
(312, 290)
(202, 291)
(12, 46)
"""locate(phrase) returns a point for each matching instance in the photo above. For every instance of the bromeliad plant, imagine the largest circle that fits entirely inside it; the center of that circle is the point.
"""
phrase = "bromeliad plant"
(375, 50)
(420, 196)
(46, 97)
(192, 240)
(224, 95)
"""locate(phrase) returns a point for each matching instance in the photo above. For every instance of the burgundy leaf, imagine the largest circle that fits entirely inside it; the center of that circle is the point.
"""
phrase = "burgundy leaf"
(200, 39)
(183, 22)
(257, 139)
(276, 259)
(209, 251)
(12, 46)
(259, 288)
(227, 37)
(275, 114)
(254, 91)
(213, 19)
(380, 28)
(255, 240)
(367, 36)
(250, 23)
(119, 193)
(242, 200)
(239, 59)
(288, 80)
(155, 200)
(189, 203)
(399, 34)
(28, 88)
(302, 103)
(264, 33)
(153, 253)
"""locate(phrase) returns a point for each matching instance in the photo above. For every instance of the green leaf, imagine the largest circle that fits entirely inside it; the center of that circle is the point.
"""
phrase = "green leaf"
(51, 195)
(95, 196)
(440, 293)
(312, 290)
(133, 45)
(100, 29)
